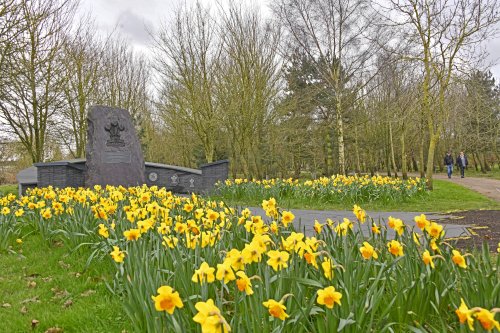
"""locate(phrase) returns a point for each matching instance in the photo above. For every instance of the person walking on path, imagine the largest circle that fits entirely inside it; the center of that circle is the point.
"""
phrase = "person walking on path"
(448, 161)
(462, 163)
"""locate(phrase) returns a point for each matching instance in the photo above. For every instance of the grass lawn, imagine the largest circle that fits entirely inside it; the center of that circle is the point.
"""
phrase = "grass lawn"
(494, 174)
(5, 189)
(445, 197)
(46, 284)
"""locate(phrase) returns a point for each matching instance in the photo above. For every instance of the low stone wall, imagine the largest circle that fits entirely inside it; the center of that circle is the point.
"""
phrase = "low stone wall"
(214, 172)
(180, 180)
(61, 174)
(71, 173)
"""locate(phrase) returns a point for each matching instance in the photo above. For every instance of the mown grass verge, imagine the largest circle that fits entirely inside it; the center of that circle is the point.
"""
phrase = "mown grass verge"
(445, 197)
(43, 286)
(6, 189)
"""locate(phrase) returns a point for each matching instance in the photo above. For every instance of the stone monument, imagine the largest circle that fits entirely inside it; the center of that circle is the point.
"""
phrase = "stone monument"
(114, 155)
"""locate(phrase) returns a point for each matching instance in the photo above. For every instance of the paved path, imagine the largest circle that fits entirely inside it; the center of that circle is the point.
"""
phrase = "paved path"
(304, 219)
(486, 186)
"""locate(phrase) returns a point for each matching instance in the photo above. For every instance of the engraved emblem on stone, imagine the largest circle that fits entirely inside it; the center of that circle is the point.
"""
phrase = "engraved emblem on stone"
(175, 179)
(114, 128)
(153, 176)
(191, 182)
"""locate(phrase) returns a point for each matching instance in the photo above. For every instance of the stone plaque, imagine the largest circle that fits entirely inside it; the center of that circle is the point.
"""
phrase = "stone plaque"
(116, 157)
(113, 151)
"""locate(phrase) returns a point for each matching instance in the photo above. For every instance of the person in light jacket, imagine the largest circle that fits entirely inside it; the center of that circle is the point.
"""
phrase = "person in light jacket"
(462, 163)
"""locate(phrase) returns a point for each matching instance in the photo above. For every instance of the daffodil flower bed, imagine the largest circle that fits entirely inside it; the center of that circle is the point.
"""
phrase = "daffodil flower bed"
(337, 188)
(184, 264)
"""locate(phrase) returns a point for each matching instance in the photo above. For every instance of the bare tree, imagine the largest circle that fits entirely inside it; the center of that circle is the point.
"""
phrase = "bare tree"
(247, 84)
(82, 61)
(11, 26)
(187, 58)
(32, 93)
(443, 35)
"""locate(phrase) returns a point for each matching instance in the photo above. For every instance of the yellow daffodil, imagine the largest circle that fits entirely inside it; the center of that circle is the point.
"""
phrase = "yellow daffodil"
(328, 297)
(317, 226)
(204, 274)
(225, 272)
(342, 228)
(328, 267)
(252, 253)
(236, 259)
(46, 213)
(278, 259)
(435, 230)
(416, 238)
(117, 254)
(210, 318)
(395, 248)
(359, 213)
(287, 218)
(464, 314)
(421, 221)
(244, 283)
(163, 229)
(310, 258)
(132, 234)
(367, 251)
(396, 224)
(428, 259)
(188, 207)
(170, 241)
(167, 300)
(103, 230)
(487, 320)
(276, 309)
(458, 259)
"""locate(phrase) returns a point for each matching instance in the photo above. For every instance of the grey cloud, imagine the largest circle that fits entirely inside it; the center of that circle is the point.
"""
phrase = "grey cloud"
(134, 26)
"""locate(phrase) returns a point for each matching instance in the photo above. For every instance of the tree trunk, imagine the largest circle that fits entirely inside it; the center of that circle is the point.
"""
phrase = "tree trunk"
(430, 160)
(340, 141)
(328, 154)
(404, 167)
(393, 158)
(356, 149)
(477, 157)
(388, 161)
(421, 153)
(487, 167)
(476, 167)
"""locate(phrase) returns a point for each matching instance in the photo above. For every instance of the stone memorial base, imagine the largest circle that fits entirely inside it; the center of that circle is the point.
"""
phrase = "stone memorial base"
(72, 173)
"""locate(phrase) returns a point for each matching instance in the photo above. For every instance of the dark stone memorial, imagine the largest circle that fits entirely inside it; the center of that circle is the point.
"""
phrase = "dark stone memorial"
(114, 155)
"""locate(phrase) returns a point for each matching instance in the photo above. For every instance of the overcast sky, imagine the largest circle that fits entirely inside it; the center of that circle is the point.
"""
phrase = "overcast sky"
(133, 18)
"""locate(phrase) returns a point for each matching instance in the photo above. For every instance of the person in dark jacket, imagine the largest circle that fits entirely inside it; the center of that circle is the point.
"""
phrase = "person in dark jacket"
(448, 161)
(462, 163)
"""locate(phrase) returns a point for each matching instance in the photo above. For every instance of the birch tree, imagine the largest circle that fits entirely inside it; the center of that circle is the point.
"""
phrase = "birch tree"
(337, 35)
